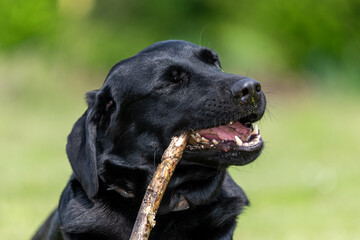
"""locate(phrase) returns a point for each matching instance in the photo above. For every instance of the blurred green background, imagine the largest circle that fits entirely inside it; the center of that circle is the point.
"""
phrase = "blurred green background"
(305, 53)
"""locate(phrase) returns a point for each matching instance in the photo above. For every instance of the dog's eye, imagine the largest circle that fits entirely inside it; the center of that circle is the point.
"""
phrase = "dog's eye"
(177, 74)
(210, 57)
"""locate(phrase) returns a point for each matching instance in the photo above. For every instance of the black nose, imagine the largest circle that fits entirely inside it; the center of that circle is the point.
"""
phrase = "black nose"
(246, 89)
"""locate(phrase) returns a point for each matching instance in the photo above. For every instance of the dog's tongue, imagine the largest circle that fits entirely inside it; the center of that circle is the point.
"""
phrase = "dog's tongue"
(227, 132)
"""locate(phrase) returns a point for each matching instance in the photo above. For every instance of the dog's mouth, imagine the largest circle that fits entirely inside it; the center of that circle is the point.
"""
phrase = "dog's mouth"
(235, 143)
(234, 136)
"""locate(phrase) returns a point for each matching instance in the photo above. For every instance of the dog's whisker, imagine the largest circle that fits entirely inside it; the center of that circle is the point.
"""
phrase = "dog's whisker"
(155, 152)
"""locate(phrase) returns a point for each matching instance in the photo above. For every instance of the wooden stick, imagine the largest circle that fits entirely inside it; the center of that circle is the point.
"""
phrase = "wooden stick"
(145, 220)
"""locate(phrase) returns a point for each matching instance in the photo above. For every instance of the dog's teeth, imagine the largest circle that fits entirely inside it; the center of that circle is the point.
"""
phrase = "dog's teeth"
(238, 141)
(215, 142)
(257, 139)
(197, 137)
(231, 122)
(256, 130)
(246, 144)
(204, 139)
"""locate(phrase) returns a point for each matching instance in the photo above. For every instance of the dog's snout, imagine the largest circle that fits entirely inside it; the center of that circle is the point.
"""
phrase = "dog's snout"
(246, 89)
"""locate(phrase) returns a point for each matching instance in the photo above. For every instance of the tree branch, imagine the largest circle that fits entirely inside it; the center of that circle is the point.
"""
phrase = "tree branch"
(145, 220)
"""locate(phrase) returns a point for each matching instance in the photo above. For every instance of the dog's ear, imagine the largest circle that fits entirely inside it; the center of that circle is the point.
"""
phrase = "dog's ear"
(81, 147)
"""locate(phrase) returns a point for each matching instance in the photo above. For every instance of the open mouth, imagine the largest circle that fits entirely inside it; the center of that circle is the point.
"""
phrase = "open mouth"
(234, 136)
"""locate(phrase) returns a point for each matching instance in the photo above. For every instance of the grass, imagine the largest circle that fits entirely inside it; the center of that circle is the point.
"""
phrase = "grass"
(304, 186)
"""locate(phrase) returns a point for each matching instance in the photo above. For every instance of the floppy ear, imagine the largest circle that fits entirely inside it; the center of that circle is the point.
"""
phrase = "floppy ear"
(81, 147)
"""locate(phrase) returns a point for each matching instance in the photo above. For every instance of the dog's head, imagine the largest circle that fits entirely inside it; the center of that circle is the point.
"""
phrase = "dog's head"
(166, 89)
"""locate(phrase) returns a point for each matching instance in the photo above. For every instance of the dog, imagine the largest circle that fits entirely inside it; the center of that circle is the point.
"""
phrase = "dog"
(114, 148)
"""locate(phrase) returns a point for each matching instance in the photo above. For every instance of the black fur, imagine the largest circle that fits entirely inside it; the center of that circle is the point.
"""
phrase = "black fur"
(115, 146)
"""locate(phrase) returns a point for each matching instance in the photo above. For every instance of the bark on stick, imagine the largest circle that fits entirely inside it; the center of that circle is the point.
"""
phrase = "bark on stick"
(145, 220)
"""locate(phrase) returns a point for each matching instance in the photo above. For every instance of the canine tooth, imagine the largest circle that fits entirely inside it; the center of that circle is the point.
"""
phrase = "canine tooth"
(256, 130)
(215, 142)
(198, 137)
(238, 141)
(246, 144)
(231, 122)
(204, 139)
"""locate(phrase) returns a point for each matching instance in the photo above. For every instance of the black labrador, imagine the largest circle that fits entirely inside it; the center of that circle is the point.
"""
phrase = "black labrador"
(116, 145)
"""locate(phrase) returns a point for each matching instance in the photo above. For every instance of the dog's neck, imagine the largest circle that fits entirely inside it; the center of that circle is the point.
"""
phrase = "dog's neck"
(184, 190)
